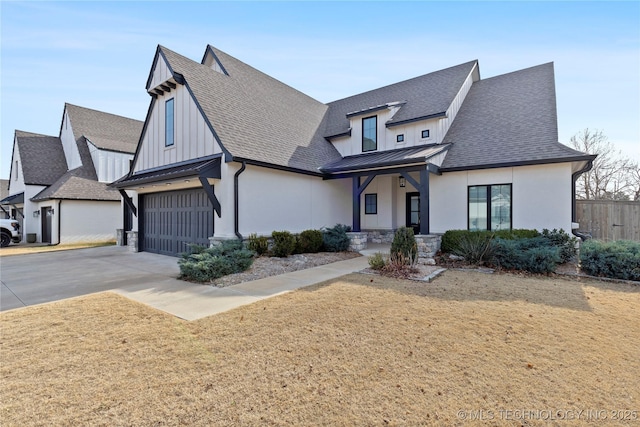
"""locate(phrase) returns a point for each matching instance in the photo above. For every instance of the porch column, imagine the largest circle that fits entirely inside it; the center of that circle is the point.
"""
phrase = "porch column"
(424, 201)
(356, 204)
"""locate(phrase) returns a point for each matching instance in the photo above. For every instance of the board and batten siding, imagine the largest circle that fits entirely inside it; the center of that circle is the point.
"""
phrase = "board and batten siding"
(192, 136)
(161, 73)
(69, 144)
(109, 165)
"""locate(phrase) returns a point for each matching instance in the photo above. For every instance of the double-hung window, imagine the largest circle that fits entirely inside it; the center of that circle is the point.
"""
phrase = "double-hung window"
(168, 123)
(490, 207)
(369, 134)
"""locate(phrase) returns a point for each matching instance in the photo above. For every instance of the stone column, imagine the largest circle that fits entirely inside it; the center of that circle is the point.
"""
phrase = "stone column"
(132, 241)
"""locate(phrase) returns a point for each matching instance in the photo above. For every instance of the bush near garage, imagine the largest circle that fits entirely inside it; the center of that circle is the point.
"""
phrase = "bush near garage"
(284, 244)
(616, 260)
(202, 264)
(258, 244)
(309, 242)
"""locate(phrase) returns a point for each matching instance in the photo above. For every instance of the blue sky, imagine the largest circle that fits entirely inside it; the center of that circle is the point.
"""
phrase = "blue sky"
(98, 54)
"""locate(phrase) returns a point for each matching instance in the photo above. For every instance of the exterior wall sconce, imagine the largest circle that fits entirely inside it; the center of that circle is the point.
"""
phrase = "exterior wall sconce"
(36, 214)
(403, 182)
(50, 212)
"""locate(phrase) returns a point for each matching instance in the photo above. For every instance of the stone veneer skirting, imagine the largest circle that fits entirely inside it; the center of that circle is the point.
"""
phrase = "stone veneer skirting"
(428, 244)
(132, 241)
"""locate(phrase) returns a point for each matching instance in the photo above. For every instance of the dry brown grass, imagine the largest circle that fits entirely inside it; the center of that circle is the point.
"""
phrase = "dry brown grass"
(26, 248)
(347, 352)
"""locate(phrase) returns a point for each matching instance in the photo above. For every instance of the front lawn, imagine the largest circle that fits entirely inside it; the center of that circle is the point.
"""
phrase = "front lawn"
(359, 350)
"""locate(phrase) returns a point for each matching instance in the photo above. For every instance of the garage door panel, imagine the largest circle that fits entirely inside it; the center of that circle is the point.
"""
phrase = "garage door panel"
(174, 220)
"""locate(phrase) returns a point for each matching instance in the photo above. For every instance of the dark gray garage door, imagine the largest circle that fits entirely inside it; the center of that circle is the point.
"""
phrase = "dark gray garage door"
(175, 219)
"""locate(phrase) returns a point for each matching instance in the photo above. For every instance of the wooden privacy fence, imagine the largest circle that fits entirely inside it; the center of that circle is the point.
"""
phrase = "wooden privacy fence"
(609, 219)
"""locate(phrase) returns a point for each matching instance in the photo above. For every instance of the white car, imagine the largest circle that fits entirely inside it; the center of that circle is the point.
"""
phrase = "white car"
(9, 232)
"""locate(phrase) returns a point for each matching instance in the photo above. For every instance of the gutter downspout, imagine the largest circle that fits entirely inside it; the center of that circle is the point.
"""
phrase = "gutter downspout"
(574, 178)
(236, 201)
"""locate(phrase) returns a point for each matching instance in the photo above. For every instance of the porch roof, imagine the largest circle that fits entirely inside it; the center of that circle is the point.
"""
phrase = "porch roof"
(382, 159)
(208, 167)
(14, 199)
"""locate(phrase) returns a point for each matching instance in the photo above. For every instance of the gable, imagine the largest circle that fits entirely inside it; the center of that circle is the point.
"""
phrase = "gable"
(192, 136)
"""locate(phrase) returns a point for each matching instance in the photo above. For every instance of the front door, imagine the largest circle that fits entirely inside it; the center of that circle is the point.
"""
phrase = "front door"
(46, 215)
(413, 212)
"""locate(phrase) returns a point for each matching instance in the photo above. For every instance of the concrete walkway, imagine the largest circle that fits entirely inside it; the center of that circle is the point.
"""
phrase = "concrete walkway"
(192, 301)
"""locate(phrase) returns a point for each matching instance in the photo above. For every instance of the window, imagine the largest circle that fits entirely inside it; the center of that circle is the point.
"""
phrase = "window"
(400, 138)
(490, 207)
(369, 134)
(17, 170)
(370, 204)
(425, 133)
(168, 123)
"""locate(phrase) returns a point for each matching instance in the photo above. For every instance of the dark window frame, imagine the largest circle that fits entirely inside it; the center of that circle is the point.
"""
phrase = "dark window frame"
(400, 137)
(169, 142)
(488, 201)
(375, 119)
(427, 134)
(371, 204)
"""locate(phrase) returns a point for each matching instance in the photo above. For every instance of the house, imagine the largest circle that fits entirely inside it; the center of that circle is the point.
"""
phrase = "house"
(227, 150)
(58, 184)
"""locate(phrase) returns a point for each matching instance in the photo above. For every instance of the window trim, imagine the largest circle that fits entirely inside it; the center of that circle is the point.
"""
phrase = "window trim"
(428, 134)
(374, 205)
(400, 138)
(173, 124)
(376, 135)
(488, 187)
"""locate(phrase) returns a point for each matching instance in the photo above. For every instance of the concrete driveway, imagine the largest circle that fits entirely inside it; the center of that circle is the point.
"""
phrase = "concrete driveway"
(51, 276)
(144, 277)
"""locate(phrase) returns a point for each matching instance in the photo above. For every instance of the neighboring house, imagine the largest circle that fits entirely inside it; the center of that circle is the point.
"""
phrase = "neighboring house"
(5, 209)
(227, 151)
(58, 185)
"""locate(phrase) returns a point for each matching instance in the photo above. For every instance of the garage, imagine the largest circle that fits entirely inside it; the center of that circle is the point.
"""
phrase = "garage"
(173, 220)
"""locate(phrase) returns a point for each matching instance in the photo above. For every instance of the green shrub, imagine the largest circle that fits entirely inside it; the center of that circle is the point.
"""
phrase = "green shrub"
(377, 261)
(404, 242)
(451, 238)
(205, 264)
(309, 242)
(475, 247)
(535, 255)
(335, 239)
(259, 245)
(284, 244)
(617, 260)
(563, 241)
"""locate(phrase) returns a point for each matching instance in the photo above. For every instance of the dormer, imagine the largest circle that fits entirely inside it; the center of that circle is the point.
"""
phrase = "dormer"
(162, 79)
(211, 60)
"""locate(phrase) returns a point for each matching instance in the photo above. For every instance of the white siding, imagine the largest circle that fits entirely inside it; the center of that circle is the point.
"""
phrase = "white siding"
(16, 180)
(192, 139)
(31, 224)
(109, 165)
(69, 144)
(161, 73)
(541, 196)
(275, 200)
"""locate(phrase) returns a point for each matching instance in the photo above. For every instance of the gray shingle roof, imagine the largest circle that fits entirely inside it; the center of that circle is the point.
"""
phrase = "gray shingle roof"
(379, 159)
(74, 185)
(424, 96)
(255, 116)
(106, 131)
(42, 157)
(508, 119)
